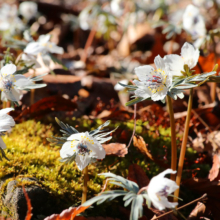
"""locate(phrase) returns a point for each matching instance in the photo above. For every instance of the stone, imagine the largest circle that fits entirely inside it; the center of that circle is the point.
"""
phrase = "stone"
(16, 203)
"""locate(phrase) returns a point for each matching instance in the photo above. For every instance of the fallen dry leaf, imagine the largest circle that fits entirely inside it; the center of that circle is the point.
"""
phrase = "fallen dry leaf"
(139, 142)
(117, 149)
(69, 214)
(197, 212)
(213, 173)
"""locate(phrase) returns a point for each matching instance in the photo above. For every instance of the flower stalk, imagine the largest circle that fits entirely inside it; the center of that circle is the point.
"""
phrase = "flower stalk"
(173, 138)
(183, 147)
(85, 185)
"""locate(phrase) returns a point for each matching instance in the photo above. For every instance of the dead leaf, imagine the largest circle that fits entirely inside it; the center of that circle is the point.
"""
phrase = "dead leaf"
(139, 142)
(117, 149)
(212, 189)
(137, 175)
(213, 173)
(68, 214)
(47, 105)
(101, 218)
(197, 212)
(29, 211)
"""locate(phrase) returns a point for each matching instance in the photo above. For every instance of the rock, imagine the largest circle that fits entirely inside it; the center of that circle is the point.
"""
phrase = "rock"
(16, 203)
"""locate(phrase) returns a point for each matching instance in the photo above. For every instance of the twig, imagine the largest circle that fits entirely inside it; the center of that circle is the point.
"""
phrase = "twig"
(201, 120)
(196, 200)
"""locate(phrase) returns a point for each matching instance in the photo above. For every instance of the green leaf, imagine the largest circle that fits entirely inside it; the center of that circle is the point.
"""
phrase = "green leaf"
(24, 70)
(128, 86)
(134, 101)
(55, 60)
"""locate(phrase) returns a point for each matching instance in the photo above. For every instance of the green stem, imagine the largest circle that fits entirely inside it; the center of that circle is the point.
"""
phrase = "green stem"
(86, 178)
(183, 147)
(173, 138)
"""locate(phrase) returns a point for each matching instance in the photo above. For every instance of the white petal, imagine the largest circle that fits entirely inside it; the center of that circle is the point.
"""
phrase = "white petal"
(2, 144)
(159, 62)
(8, 69)
(158, 96)
(55, 49)
(77, 136)
(34, 48)
(174, 63)
(143, 71)
(67, 150)
(96, 148)
(82, 161)
(44, 38)
(190, 55)
(143, 92)
(5, 111)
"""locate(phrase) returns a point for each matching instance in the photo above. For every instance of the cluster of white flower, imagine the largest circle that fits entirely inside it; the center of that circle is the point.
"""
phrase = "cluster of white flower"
(156, 83)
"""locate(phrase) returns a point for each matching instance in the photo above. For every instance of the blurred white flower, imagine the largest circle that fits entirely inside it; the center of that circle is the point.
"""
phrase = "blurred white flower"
(153, 83)
(12, 85)
(30, 59)
(160, 188)
(117, 7)
(84, 148)
(189, 56)
(6, 122)
(9, 21)
(194, 24)
(28, 9)
(43, 45)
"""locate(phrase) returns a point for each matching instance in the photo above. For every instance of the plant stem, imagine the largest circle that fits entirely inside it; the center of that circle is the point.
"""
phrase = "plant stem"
(88, 44)
(86, 178)
(183, 147)
(173, 138)
(214, 85)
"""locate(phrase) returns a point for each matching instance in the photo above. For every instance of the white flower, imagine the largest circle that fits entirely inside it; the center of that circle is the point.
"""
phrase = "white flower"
(12, 85)
(153, 83)
(175, 63)
(193, 23)
(6, 122)
(28, 9)
(159, 188)
(84, 147)
(9, 21)
(43, 45)
(117, 7)
(30, 59)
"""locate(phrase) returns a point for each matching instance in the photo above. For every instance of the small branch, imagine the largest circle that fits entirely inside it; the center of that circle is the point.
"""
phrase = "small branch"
(196, 200)
(183, 147)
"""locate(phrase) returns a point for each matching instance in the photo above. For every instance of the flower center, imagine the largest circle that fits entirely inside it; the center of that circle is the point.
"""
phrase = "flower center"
(82, 149)
(7, 83)
(156, 80)
(163, 192)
